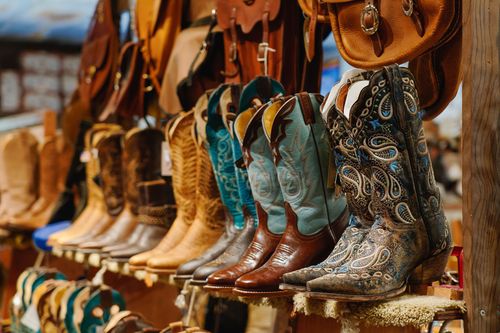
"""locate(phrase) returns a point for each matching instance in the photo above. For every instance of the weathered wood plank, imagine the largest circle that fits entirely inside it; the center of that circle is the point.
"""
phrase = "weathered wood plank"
(481, 172)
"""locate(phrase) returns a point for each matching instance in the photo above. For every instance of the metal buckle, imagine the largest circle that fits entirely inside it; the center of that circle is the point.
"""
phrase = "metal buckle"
(116, 85)
(149, 86)
(408, 6)
(373, 12)
(262, 54)
(90, 74)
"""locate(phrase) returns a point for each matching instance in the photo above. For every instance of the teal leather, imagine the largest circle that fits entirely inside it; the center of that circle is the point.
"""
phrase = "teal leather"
(262, 173)
(221, 155)
(301, 159)
(68, 320)
(105, 300)
(251, 92)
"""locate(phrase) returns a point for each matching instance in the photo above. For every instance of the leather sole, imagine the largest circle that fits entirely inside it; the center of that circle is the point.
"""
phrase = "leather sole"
(218, 289)
(182, 278)
(294, 287)
(136, 268)
(198, 282)
(355, 298)
(262, 293)
(168, 271)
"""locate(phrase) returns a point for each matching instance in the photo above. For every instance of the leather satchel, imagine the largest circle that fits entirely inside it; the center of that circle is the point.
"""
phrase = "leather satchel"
(257, 35)
(99, 58)
(127, 99)
(373, 33)
(158, 22)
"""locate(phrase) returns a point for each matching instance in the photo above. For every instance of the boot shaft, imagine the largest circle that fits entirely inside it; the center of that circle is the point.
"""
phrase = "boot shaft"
(184, 160)
(156, 203)
(221, 155)
(299, 142)
(111, 175)
(387, 117)
(261, 170)
(141, 161)
(49, 169)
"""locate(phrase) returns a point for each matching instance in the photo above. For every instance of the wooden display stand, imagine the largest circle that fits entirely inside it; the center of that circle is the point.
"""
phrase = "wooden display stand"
(481, 200)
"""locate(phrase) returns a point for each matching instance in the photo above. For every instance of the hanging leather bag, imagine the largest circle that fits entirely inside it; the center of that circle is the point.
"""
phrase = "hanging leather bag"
(99, 59)
(157, 22)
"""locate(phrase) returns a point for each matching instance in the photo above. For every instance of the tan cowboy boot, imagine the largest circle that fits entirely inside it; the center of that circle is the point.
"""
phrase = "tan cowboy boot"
(208, 224)
(18, 166)
(95, 204)
(109, 147)
(183, 153)
(39, 213)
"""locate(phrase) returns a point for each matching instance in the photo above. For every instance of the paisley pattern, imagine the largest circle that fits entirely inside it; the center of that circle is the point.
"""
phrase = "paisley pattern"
(401, 238)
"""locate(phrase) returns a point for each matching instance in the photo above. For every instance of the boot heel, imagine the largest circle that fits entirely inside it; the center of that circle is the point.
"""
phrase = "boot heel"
(431, 269)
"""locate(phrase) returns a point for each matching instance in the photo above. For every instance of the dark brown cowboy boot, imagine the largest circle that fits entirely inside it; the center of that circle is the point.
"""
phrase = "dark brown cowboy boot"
(141, 162)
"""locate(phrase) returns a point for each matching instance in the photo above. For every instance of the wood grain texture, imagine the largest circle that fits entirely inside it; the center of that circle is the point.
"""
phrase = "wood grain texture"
(481, 171)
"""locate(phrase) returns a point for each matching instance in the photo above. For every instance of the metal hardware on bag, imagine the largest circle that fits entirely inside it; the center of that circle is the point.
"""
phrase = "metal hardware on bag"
(248, 2)
(90, 74)
(149, 86)
(116, 85)
(100, 12)
(373, 12)
(408, 6)
(263, 53)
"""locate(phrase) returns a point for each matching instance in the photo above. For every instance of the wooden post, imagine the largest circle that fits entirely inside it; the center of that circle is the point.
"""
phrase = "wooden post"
(481, 169)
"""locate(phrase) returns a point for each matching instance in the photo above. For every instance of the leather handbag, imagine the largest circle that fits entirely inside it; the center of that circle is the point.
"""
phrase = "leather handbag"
(127, 98)
(205, 72)
(99, 58)
(373, 33)
(257, 34)
(157, 22)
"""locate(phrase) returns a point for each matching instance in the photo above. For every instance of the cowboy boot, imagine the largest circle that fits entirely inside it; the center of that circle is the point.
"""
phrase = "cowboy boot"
(37, 216)
(95, 207)
(221, 156)
(410, 239)
(109, 157)
(208, 224)
(156, 214)
(353, 178)
(18, 183)
(234, 251)
(65, 209)
(141, 162)
(183, 155)
(315, 217)
(267, 194)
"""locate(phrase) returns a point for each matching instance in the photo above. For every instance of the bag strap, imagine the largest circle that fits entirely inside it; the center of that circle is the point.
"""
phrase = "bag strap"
(233, 48)
(263, 48)
(370, 23)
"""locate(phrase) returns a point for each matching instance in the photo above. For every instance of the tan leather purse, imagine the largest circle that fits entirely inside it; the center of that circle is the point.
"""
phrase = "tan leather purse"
(99, 58)
(157, 22)
(373, 33)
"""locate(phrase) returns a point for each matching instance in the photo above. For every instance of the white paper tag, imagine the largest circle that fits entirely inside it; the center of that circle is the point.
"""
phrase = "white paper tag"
(31, 319)
(166, 159)
(99, 329)
(85, 156)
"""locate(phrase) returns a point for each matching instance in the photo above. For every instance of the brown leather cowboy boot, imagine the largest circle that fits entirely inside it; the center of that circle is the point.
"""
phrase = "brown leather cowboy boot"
(183, 153)
(95, 208)
(18, 169)
(208, 224)
(109, 154)
(315, 217)
(156, 214)
(141, 162)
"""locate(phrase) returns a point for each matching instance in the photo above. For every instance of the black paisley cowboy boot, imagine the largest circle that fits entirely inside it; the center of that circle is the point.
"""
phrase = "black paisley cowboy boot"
(410, 239)
(350, 176)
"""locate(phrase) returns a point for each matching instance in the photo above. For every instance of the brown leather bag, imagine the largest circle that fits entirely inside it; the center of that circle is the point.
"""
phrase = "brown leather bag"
(257, 35)
(127, 99)
(158, 22)
(373, 33)
(99, 58)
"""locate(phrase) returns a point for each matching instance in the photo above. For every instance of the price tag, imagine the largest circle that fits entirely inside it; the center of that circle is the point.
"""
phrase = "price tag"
(31, 319)
(166, 159)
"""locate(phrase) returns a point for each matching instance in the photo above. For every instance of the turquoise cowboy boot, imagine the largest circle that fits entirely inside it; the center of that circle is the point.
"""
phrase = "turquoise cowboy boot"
(315, 217)
(352, 177)
(410, 238)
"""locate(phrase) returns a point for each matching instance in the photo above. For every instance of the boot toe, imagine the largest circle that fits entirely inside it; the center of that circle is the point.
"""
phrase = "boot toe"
(302, 276)
(259, 280)
(223, 278)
